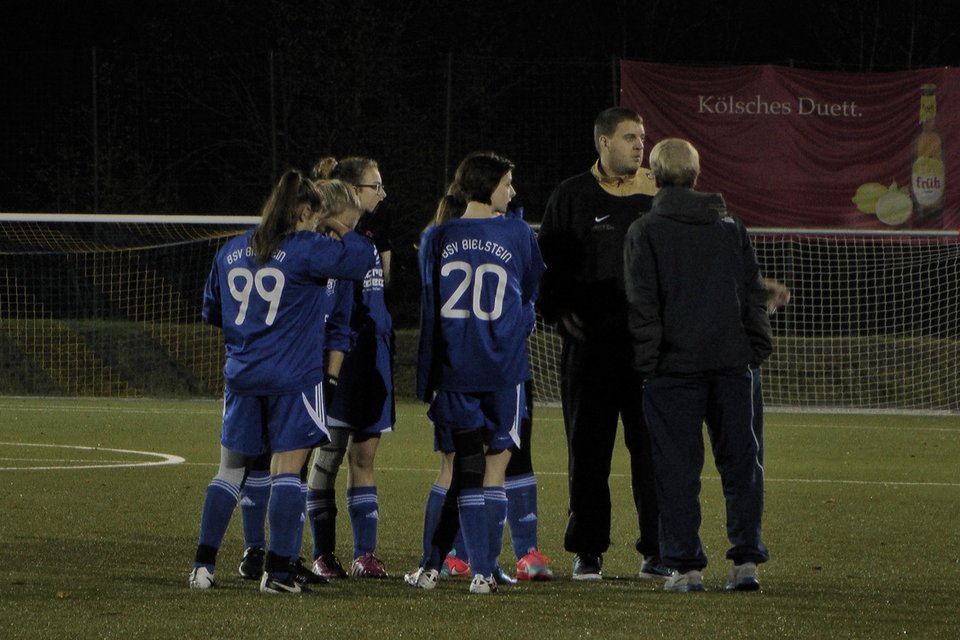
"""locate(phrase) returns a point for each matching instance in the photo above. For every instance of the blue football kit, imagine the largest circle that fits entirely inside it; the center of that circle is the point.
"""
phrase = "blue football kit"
(272, 315)
(478, 278)
(360, 326)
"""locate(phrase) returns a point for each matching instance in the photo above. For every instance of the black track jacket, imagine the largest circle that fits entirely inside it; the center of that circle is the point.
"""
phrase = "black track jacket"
(697, 302)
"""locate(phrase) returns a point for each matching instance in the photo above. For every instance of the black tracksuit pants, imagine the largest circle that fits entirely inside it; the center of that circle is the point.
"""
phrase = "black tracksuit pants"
(598, 387)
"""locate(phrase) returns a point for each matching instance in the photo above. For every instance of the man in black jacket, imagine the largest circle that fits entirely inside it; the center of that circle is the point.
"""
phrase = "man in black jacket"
(581, 239)
(698, 317)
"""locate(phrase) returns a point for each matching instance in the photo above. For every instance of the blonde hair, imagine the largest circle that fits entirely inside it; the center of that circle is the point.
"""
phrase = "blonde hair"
(675, 162)
(336, 196)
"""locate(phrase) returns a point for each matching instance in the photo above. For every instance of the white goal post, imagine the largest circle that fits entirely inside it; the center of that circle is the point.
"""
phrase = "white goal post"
(109, 305)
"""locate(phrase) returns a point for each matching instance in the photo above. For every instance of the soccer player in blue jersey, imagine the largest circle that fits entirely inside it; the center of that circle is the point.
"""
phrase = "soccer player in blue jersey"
(266, 292)
(361, 407)
(479, 273)
(520, 485)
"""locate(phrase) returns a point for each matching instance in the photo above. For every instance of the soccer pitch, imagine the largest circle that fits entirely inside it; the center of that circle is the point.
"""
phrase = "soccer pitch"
(100, 504)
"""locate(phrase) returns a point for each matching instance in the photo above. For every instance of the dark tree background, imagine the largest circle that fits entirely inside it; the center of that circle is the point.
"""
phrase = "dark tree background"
(196, 107)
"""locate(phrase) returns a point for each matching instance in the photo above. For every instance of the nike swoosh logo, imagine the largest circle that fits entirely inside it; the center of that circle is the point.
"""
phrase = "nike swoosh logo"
(600, 219)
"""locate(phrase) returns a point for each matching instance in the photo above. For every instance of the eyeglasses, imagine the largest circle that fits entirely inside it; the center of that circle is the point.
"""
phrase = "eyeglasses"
(378, 187)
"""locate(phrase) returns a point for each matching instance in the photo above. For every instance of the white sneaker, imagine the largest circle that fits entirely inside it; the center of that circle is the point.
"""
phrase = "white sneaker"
(481, 584)
(684, 582)
(743, 577)
(202, 578)
(422, 578)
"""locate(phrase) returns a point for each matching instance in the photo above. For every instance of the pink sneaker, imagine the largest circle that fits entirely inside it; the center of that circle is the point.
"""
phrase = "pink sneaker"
(534, 566)
(329, 567)
(368, 566)
(454, 566)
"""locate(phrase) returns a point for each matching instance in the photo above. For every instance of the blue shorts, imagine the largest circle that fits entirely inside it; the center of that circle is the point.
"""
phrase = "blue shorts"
(364, 400)
(255, 424)
(499, 412)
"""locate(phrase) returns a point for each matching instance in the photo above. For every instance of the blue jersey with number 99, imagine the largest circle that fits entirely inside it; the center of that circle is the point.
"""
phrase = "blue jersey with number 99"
(272, 314)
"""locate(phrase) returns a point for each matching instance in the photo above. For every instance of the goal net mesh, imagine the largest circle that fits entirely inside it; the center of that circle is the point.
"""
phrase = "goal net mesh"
(112, 308)
(108, 309)
(872, 324)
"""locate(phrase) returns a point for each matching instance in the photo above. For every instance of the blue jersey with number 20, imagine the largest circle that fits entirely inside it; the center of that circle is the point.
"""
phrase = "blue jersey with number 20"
(478, 278)
(272, 314)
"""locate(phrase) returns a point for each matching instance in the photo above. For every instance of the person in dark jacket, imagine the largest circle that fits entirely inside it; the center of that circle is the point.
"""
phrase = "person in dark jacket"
(581, 239)
(698, 318)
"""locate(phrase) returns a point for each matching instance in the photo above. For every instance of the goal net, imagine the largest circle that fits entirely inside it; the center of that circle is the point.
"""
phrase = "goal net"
(873, 322)
(110, 306)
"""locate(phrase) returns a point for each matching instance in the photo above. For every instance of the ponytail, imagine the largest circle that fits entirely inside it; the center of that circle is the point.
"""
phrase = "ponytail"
(325, 169)
(452, 205)
(278, 217)
(350, 170)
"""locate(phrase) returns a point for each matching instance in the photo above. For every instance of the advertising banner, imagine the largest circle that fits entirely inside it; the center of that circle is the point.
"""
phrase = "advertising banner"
(797, 148)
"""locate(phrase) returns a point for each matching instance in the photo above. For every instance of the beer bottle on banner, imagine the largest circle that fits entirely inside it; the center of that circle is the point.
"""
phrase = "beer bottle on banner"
(927, 179)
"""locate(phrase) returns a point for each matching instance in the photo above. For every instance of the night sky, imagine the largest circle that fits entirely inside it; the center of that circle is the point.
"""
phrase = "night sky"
(242, 89)
(857, 35)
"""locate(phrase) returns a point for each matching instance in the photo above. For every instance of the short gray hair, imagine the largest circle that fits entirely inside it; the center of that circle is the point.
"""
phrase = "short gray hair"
(675, 163)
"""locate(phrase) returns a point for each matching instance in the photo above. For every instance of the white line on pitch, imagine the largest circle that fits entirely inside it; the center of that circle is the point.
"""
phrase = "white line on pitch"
(165, 458)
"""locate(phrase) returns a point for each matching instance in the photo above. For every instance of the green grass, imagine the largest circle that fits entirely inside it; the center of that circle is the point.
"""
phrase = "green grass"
(862, 520)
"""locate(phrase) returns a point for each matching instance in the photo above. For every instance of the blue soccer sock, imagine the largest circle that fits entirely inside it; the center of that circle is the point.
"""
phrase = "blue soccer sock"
(285, 511)
(522, 512)
(218, 505)
(322, 513)
(475, 524)
(496, 501)
(364, 518)
(431, 516)
(254, 497)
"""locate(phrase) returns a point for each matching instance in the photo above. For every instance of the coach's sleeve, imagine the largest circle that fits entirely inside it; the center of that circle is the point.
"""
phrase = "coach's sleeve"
(561, 252)
(756, 320)
(643, 297)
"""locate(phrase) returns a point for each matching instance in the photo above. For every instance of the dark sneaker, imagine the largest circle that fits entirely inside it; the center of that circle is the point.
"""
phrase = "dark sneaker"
(501, 577)
(367, 566)
(329, 567)
(652, 569)
(270, 583)
(303, 576)
(743, 577)
(251, 567)
(586, 567)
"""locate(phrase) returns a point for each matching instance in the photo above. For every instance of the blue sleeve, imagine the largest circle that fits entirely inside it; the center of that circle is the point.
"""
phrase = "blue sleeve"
(346, 259)
(531, 282)
(212, 311)
(339, 335)
(428, 320)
